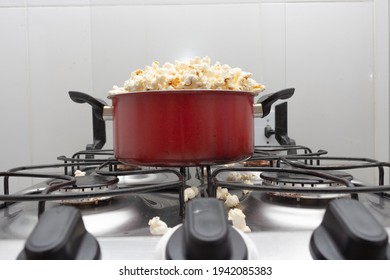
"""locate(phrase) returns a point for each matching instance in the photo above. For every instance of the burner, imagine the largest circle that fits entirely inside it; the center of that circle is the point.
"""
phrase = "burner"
(90, 183)
(94, 181)
(305, 181)
(146, 178)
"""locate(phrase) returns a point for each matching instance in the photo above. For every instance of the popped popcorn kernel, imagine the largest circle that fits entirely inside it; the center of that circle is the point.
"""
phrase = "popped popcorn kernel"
(190, 193)
(238, 219)
(78, 173)
(222, 193)
(232, 201)
(157, 226)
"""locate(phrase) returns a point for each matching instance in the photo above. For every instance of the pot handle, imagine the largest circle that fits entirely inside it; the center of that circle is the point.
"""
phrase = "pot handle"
(263, 106)
(99, 125)
(97, 105)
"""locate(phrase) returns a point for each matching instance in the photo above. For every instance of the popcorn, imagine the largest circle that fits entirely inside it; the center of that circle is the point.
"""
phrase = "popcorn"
(238, 219)
(195, 189)
(248, 176)
(190, 193)
(237, 176)
(247, 182)
(245, 178)
(197, 73)
(157, 227)
(234, 176)
(222, 193)
(232, 201)
(246, 192)
(79, 173)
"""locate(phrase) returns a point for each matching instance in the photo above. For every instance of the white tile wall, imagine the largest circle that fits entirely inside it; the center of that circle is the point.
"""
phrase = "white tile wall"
(15, 111)
(60, 60)
(329, 59)
(273, 45)
(119, 45)
(331, 64)
(127, 38)
(56, 3)
(327, 50)
(12, 3)
(45, 52)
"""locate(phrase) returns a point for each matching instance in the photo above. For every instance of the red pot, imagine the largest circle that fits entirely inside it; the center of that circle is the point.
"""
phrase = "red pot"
(186, 127)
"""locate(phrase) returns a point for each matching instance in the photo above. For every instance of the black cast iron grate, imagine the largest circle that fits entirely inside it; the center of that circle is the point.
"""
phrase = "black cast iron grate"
(101, 163)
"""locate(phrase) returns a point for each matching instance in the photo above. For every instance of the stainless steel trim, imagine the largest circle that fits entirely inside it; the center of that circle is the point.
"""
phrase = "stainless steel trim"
(258, 110)
(107, 113)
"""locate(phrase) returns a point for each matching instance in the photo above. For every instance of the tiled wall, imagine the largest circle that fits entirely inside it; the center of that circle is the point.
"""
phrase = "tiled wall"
(325, 49)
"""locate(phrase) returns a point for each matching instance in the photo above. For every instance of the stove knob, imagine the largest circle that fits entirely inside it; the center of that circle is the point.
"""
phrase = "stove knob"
(349, 231)
(206, 234)
(60, 234)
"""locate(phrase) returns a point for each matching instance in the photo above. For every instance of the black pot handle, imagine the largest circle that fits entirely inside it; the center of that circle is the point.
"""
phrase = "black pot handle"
(98, 123)
(266, 101)
(97, 104)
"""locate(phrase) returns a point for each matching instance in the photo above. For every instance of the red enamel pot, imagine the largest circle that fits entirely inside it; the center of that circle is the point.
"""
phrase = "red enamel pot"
(185, 127)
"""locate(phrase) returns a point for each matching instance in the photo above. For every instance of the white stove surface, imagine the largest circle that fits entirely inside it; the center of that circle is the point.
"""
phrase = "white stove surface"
(288, 245)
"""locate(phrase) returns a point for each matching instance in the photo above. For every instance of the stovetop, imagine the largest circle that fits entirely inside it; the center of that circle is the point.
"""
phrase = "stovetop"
(117, 201)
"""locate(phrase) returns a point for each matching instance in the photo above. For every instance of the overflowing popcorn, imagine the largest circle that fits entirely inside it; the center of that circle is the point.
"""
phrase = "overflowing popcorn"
(232, 201)
(248, 182)
(197, 73)
(234, 176)
(79, 173)
(190, 193)
(222, 193)
(238, 219)
(157, 226)
(243, 177)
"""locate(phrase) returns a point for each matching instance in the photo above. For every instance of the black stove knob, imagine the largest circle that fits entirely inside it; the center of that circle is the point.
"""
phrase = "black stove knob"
(60, 234)
(349, 231)
(206, 234)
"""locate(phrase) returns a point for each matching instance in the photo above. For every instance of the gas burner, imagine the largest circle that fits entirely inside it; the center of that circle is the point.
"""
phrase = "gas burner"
(90, 183)
(145, 178)
(281, 180)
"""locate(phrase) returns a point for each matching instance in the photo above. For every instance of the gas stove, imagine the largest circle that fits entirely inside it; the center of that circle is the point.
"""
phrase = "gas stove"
(285, 202)
(297, 204)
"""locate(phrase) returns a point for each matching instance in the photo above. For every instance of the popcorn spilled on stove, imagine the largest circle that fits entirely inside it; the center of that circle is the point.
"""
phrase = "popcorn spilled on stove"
(78, 173)
(190, 193)
(238, 219)
(232, 201)
(197, 73)
(157, 226)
